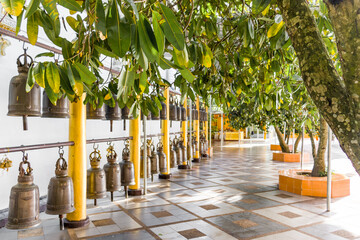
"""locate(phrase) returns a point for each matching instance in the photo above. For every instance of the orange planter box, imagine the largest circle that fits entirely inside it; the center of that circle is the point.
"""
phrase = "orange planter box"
(286, 157)
(291, 181)
(276, 147)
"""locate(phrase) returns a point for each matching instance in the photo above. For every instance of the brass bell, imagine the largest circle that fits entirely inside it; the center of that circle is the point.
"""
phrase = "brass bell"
(125, 114)
(162, 157)
(154, 159)
(112, 113)
(163, 111)
(181, 151)
(24, 200)
(60, 198)
(95, 113)
(61, 110)
(127, 169)
(148, 170)
(195, 113)
(173, 162)
(112, 172)
(155, 116)
(22, 103)
(178, 111)
(183, 113)
(189, 150)
(172, 110)
(96, 182)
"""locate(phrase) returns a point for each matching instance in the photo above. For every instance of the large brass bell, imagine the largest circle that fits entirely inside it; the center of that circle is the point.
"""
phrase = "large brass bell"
(183, 113)
(125, 114)
(61, 110)
(112, 114)
(112, 172)
(178, 151)
(96, 182)
(162, 157)
(163, 111)
(173, 162)
(182, 151)
(24, 200)
(178, 111)
(127, 169)
(172, 110)
(22, 103)
(148, 167)
(195, 113)
(60, 198)
(95, 113)
(154, 159)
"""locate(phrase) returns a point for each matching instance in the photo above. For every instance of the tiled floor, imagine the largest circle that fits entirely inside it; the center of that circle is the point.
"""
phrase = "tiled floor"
(234, 195)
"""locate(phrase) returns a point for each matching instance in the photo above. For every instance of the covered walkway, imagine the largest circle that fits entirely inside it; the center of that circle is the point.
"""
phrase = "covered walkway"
(234, 195)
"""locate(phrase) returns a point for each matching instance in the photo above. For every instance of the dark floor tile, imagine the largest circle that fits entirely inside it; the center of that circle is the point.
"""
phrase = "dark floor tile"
(252, 187)
(133, 235)
(251, 202)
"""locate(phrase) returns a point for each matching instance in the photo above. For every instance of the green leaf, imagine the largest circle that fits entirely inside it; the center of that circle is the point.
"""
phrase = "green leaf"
(100, 20)
(126, 82)
(119, 37)
(187, 75)
(166, 64)
(66, 49)
(143, 81)
(85, 74)
(53, 77)
(51, 95)
(171, 28)
(13, 7)
(33, 6)
(39, 74)
(33, 28)
(50, 7)
(274, 29)
(45, 54)
(259, 5)
(71, 5)
(64, 80)
(105, 52)
(147, 39)
(73, 23)
(251, 28)
(18, 22)
(159, 35)
(132, 4)
(30, 80)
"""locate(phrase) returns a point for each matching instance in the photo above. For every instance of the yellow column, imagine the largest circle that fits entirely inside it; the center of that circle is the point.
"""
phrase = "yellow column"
(184, 127)
(165, 139)
(134, 131)
(197, 132)
(206, 127)
(77, 163)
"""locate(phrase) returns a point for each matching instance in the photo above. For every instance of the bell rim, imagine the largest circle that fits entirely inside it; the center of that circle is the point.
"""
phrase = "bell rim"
(29, 114)
(100, 196)
(55, 115)
(53, 212)
(10, 225)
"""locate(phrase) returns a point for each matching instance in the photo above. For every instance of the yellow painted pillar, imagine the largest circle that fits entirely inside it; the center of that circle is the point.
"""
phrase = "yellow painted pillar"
(197, 132)
(165, 139)
(134, 131)
(184, 128)
(77, 163)
(206, 127)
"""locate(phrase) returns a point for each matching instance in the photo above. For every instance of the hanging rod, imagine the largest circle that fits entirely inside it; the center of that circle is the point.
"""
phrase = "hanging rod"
(174, 133)
(154, 135)
(23, 148)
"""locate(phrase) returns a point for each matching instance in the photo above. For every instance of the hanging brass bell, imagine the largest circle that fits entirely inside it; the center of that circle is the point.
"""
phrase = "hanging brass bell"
(95, 113)
(189, 150)
(183, 113)
(154, 159)
(178, 111)
(61, 110)
(182, 152)
(148, 169)
(125, 114)
(22, 103)
(173, 162)
(177, 150)
(172, 110)
(112, 172)
(162, 157)
(96, 182)
(60, 199)
(163, 111)
(24, 200)
(155, 116)
(148, 117)
(195, 113)
(112, 114)
(127, 169)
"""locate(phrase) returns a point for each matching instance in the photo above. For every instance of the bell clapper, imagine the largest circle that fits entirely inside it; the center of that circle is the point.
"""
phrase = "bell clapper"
(61, 222)
(111, 125)
(124, 124)
(25, 124)
(126, 192)
(95, 202)
(112, 196)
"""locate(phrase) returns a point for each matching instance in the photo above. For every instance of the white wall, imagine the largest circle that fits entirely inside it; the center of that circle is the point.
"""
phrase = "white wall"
(44, 130)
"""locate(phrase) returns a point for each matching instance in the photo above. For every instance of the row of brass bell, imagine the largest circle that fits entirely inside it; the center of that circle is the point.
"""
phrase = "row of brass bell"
(24, 202)
(203, 115)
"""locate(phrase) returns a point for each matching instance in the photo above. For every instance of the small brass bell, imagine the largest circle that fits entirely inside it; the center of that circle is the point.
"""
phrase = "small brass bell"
(154, 159)
(172, 110)
(60, 198)
(163, 111)
(148, 170)
(183, 113)
(97, 113)
(189, 150)
(96, 182)
(177, 150)
(24, 200)
(178, 111)
(112, 114)
(127, 169)
(22, 103)
(61, 110)
(195, 113)
(162, 157)
(173, 162)
(112, 172)
(181, 151)
(125, 114)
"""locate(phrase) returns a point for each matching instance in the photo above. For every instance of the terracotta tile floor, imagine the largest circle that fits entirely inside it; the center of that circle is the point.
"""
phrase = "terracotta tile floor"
(234, 195)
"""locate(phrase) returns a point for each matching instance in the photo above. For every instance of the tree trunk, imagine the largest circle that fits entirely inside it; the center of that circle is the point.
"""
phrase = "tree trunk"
(297, 141)
(319, 161)
(284, 147)
(313, 145)
(338, 101)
